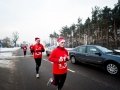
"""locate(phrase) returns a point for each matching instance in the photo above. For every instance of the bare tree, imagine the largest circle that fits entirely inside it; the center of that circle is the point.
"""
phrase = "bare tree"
(15, 38)
(6, 42)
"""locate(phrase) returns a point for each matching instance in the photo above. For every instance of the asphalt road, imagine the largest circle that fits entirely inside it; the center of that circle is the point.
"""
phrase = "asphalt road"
(19, 74)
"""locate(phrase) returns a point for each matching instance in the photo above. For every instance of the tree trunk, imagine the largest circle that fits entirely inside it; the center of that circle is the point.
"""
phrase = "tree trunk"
(115, 36)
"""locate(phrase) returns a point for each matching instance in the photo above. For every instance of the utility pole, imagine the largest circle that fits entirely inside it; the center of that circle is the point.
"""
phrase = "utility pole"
(72, 39)
(85, 39)
(0, 46)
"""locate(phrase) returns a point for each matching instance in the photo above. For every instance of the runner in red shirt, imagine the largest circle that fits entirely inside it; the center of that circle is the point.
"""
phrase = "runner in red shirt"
(24, 49)
(37, 53)
(59, 57)
(31, 48)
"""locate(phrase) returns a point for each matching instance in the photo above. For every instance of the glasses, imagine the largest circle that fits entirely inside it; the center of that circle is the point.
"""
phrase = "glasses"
(62, 42)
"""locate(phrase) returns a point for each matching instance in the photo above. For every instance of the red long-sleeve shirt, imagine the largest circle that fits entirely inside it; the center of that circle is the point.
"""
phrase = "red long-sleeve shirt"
(37, 50)
(31, 47)
(59, 67)
(24, 48)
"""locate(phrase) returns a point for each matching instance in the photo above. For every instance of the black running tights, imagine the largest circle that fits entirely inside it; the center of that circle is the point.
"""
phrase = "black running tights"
(59, 80)
(38, 64)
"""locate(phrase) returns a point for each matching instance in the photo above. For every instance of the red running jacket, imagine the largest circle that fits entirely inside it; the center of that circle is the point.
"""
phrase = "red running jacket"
(59, 67)
(31, 47)
(24, 48)
(37, 50)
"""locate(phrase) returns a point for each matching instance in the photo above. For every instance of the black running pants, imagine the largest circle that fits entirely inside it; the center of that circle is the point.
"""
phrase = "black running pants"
(38, 64)
(59, 80)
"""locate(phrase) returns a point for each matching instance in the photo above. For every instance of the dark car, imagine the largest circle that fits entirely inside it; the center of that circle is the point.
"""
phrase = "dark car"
(96, 55)
(51, 48)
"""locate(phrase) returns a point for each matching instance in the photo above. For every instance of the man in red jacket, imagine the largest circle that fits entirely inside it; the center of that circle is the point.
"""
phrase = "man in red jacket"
(59, 57)
(37, 53)
(24, 49)
(31, 48)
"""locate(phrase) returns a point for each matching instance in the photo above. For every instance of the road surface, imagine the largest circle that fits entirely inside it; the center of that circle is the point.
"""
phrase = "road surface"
(18, 73)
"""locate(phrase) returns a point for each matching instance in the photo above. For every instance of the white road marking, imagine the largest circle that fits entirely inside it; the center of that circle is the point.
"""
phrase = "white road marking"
(67, 69)
(22, 56)
(71, 70)
(45, 59)
(12, 57)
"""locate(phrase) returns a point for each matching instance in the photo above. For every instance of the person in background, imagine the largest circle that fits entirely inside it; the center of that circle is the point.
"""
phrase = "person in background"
(31, 48)
(38, 48)
(24, 47)
(59, 57)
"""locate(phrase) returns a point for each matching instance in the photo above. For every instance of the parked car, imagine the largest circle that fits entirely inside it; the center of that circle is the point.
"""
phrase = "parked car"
(49, 50)
(69, 49)
(96, 55)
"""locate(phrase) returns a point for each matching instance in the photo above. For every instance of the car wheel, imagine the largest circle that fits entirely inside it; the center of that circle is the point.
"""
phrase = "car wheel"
(73, 60)
(112, 68)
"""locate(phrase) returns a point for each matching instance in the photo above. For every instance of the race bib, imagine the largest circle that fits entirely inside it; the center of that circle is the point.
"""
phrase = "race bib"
(62, 65)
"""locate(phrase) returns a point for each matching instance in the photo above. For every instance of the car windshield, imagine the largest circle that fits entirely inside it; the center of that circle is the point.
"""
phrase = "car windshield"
(104, 50)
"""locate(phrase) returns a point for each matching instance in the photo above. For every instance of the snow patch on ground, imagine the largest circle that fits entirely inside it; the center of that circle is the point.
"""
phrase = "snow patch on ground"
(6, 64)
(8, 49)
(6, 57)
(7, 52)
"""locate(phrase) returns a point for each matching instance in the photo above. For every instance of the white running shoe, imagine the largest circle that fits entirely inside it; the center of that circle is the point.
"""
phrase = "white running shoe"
(37, 75)
(49, 82)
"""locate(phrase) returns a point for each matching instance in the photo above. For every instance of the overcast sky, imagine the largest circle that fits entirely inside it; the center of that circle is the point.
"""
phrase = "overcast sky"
(39, 18)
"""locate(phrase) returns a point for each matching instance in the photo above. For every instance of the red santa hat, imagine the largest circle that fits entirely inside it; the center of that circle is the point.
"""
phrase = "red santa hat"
(60, 39)
(37, 38)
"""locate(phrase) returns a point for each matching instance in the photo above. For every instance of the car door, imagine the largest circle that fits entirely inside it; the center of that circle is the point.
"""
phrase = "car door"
(80, 53)
(93, 55)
